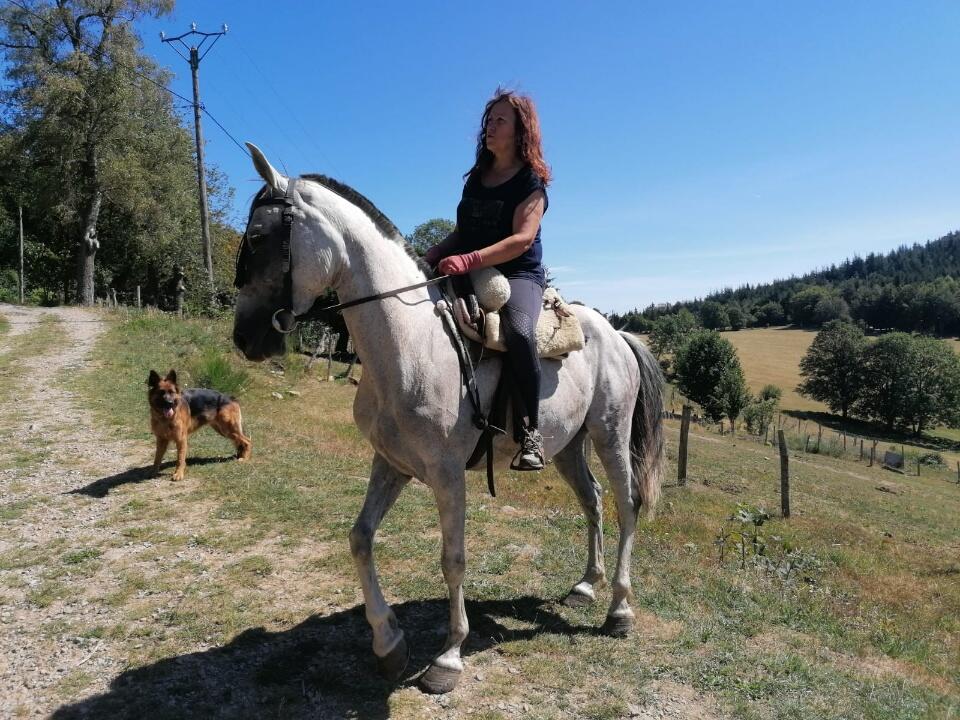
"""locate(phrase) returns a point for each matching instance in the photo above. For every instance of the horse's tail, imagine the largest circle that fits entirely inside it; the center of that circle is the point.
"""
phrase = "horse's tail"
(646, 431)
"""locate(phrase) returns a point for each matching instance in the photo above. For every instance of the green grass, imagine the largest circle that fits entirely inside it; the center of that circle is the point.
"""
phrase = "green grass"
(261, 547)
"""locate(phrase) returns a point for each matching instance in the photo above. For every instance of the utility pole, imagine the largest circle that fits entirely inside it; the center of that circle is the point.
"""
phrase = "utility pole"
(20, 209)
(194, 59)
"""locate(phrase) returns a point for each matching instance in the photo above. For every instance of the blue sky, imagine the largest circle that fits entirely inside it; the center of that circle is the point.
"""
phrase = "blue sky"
(694, 146)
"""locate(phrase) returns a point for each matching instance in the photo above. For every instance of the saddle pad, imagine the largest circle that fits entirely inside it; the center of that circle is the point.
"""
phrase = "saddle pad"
(558, 329)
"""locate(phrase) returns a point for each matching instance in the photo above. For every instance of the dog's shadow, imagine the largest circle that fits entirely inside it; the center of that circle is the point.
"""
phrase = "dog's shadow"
(100, 488)
(321, 668)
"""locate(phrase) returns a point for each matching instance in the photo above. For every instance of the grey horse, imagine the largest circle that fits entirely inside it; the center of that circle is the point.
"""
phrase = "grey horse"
(412, 406)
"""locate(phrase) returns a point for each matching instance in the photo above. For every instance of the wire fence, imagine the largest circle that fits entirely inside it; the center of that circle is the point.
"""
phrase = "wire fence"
(813, 438)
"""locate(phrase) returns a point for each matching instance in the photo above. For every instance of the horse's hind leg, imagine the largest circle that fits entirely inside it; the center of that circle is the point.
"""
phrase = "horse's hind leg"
(612, 444)
(571, 462)
(389, 645)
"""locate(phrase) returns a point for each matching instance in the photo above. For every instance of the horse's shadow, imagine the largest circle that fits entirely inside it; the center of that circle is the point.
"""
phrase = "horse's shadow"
(100, 488)
(323, 667)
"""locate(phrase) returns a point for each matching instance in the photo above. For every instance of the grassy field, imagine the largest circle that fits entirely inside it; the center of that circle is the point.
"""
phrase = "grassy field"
(246, 587)
(772, 355)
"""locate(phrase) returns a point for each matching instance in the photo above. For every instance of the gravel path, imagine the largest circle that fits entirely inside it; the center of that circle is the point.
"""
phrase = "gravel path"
(34, 657)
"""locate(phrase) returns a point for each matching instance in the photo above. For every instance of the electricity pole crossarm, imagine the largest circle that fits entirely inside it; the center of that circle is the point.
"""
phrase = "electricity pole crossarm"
(194, 57)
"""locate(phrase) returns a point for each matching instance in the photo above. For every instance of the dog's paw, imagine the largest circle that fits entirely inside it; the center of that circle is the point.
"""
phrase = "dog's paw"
(177, 476)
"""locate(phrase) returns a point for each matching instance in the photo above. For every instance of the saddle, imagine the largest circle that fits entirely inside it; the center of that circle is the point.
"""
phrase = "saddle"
(472, 309)
(476, 308)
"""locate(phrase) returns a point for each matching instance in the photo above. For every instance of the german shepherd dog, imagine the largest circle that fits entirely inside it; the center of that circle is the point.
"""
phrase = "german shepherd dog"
(176, 413)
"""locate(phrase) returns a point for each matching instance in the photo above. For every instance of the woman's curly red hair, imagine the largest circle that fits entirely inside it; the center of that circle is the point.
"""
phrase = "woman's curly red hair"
(529, 142)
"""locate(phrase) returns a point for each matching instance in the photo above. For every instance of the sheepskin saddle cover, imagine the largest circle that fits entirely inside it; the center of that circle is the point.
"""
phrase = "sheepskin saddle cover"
(558, 329)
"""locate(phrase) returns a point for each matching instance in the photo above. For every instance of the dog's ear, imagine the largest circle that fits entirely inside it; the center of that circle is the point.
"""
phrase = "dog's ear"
(172, 376)
(154, 379)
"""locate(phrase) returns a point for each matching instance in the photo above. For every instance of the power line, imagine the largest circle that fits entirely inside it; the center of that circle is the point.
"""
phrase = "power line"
(269, 83)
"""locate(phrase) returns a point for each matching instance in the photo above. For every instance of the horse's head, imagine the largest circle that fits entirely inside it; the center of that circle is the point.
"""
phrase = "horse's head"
(279, 271)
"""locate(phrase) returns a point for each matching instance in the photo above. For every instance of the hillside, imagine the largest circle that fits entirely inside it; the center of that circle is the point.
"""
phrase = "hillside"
(914, 288)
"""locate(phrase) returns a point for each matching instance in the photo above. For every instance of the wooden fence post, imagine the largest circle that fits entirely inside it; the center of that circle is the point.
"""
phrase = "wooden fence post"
(353, 358)
(784, 476)
(861, 448)
(873, 452)
(806, 444)
(316, 353)
(682, 453)
(958, 472)
(331, 344)
(137, 296)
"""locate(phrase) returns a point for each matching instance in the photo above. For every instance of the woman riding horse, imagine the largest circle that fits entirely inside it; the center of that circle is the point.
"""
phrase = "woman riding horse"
(498, 225)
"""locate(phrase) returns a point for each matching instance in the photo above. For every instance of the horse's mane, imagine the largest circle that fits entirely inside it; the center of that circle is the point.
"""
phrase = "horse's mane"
(383, 223)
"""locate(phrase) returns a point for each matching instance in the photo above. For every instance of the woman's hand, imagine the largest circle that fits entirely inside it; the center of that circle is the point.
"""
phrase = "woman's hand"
(459, 264)
(434, 255)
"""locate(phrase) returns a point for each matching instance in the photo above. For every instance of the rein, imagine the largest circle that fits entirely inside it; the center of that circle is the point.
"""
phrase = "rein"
(283, 319)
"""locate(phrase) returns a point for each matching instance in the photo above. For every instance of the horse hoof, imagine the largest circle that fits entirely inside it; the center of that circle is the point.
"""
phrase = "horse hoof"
(576, 599)
(618, 627)
(439, 680)
(392, 665)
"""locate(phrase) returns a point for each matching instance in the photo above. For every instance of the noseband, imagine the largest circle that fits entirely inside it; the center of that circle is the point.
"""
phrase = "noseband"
(284, 320)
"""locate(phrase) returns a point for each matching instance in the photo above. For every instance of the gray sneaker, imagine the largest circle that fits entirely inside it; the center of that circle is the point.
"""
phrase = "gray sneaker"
(530, 456)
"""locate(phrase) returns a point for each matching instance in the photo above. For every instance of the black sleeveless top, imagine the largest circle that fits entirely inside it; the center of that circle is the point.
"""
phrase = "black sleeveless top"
(485, 217)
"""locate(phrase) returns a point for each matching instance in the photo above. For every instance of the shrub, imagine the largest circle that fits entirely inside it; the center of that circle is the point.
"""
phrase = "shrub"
(216, 372)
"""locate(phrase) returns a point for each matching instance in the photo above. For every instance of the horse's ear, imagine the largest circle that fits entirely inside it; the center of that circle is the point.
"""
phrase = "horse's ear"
(274, 179)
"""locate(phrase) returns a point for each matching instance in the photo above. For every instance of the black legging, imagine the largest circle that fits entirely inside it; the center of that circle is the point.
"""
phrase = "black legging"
(519, 317)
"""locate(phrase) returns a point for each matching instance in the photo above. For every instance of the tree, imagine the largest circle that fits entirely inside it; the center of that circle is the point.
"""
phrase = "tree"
(830, 308)
(79, 95)
(714, 316)
(934, 394)
(803, 305)
(758, 414)
(427, 234)
(733, 392)
(65, 97)
(886, 380)
(770, 313)
(737, 317)
(669, 332)
(831, 366)
(706, 368)
(770, 392)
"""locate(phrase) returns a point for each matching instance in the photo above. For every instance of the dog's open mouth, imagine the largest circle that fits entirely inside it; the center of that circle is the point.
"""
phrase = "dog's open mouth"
(168, 412)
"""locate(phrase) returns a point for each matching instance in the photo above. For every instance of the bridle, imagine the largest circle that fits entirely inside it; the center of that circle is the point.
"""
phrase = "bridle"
(284, 320)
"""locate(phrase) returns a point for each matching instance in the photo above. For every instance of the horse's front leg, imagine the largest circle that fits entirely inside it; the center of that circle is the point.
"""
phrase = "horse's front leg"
(444, 673)
(389, 645)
